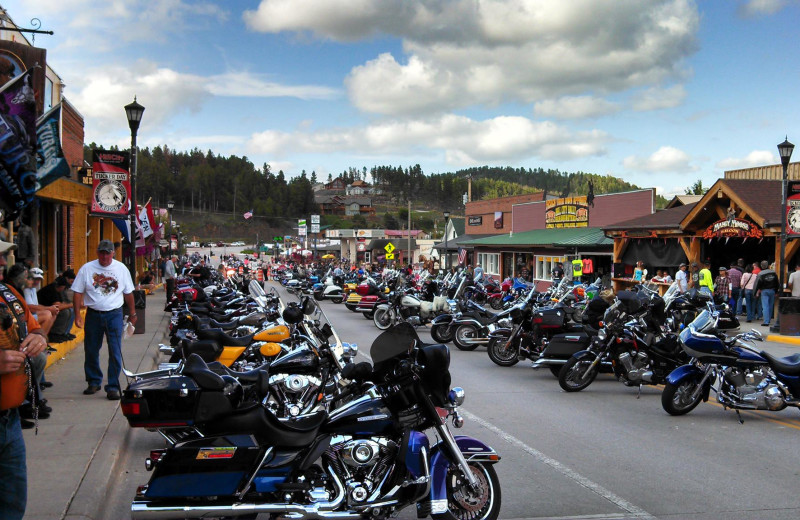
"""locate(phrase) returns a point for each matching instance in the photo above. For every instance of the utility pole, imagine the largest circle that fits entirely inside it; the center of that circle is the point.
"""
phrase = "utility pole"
(409, 232)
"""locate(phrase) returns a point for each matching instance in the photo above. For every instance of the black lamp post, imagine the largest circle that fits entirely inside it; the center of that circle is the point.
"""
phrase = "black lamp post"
(446, 252)
(785, 150)
(170, 207)
(134, 113)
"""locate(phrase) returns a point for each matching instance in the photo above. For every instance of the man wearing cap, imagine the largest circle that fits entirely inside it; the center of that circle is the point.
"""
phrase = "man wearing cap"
(705, 281)
(722, 286)
(682, 278)
(103, 285)
(22, 339)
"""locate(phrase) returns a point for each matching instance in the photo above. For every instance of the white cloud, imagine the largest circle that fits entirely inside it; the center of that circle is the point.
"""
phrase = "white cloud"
(666, 159)
(657, 98)
(462, 140)
(753, 159)
(753, 8)
(577, 107)
(461, 52)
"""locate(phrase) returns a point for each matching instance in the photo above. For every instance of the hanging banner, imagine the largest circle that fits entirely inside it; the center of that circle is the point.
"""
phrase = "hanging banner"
(567, 212)
(498, 220)
(111, 186)
(732, 227)
(793, 208)
(50, 162)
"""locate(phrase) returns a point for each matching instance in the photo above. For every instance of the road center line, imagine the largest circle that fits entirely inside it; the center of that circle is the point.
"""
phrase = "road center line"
(561, 468)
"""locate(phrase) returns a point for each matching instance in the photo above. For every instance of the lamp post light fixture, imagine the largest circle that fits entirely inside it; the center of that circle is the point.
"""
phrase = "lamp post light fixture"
(134, 112)
(785, 150)
(446, 252)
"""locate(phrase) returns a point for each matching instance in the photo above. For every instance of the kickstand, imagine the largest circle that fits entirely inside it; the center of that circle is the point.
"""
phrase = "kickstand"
(639, 393)
(739, 416)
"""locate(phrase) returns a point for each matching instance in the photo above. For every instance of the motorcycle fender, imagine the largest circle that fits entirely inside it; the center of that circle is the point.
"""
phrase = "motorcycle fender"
(230, 354)
(684, 373)
(500, 332)
(471, 448)
(584, 354)
(442, 319)
(469, 321)
(333, 291)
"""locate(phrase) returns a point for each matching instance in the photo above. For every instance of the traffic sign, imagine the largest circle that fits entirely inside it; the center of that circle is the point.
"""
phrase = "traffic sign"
(390, 256)
(315, 219)
(314, 228)
(389, 247)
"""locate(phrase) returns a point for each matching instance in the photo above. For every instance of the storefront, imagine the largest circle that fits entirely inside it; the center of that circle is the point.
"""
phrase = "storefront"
(735, 219)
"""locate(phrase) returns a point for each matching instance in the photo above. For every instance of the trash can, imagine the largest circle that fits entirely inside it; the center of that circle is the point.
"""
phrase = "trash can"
(789, 312)
(140, 303)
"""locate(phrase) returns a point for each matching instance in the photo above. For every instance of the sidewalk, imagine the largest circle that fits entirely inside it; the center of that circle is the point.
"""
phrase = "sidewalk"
(72, 459)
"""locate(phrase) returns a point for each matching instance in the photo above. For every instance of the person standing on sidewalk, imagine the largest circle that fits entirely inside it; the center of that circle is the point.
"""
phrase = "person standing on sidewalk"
(748, 282)
(13, 389)
(169, 275)
(766, 285)
(103, 285)
(735, 276)
(794, 281)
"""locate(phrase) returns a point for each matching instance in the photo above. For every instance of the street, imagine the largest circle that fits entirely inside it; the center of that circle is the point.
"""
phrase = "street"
(600, 453)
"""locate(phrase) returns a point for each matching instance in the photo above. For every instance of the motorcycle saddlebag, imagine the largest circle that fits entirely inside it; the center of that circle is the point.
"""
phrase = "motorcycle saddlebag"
(171, 402)
(367, 302)
(216, 466)
(563, 346)
(549, 318)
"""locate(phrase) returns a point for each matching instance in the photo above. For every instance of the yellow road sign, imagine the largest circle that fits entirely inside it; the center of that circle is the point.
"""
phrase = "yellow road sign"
(389, 247)
(390, 256)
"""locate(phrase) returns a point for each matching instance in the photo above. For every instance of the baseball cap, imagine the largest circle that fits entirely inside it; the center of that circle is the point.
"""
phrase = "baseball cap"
(36, 273)
(5, 247)
(106, 245)
(694, 264)
(723, 268)
(683, 264)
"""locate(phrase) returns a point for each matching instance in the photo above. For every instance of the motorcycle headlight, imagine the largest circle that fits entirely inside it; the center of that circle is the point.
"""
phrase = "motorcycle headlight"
(456, 396)
(601, 334)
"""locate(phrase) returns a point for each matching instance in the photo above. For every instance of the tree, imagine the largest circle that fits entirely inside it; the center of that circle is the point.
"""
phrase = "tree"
(359, 222)
(696, 188)
(389, 222)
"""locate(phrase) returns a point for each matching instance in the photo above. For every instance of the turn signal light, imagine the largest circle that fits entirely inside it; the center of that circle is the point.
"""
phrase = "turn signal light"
(129, 409)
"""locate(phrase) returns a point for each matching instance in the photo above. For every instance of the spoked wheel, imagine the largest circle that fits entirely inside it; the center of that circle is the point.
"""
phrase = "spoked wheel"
(677, 399)
(502, 355)
(496, 303)
(463, 334)
(464, 503)
(443, 333)
(573, 376)
(382, 318)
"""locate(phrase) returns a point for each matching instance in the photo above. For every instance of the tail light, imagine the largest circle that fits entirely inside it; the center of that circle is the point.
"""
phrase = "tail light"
(131, 409)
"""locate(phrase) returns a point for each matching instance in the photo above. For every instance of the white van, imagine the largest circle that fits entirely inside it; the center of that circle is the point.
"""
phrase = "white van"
(194, 244)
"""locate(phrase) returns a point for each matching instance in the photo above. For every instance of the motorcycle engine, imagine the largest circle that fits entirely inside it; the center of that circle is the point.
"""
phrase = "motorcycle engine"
(755, 388)
(362, 464)
(292, 394)
(636, 366)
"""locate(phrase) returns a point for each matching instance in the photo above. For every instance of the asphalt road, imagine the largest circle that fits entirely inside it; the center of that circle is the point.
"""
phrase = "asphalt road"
(600, 453)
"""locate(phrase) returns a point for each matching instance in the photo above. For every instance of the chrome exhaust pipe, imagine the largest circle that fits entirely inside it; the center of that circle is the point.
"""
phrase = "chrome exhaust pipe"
(477, 341)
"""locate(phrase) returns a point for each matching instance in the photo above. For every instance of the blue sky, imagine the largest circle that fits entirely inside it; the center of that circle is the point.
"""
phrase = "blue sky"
(659, 93)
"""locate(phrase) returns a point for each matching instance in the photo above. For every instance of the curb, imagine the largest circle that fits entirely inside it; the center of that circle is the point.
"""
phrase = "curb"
(787, 340)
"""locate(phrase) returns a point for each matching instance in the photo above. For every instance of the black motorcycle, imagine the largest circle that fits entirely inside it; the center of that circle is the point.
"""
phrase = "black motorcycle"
(367, 459)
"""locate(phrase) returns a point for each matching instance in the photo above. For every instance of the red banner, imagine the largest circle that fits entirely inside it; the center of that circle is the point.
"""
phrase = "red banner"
(793, 208)
(111, 186)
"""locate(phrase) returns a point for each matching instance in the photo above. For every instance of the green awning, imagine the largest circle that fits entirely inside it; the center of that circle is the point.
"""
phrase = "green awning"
(564, 237)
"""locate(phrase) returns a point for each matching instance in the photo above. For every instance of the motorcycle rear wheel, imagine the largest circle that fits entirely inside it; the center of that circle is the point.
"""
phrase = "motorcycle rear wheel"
(464, 505)
(442, 333)
(337, 299)
(461, 334)
(571, 377)
(382, 319)
(369, 315)
(677, 399)
(496, 303)
(502, 355)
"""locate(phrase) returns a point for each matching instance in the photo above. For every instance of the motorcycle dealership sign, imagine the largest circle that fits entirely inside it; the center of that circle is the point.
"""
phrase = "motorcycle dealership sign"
(111, 186)
(567, 212)
(733, 227)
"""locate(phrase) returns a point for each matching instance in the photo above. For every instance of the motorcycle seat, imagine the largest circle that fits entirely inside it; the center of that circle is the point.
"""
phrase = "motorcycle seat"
(206, 349)
(789, 365)
(197, 369)
(214, 324)
(251, 376)
(256, 420)
(223, 338)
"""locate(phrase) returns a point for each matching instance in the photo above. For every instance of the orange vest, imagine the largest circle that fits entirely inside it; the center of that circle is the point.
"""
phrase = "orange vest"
(14, 385)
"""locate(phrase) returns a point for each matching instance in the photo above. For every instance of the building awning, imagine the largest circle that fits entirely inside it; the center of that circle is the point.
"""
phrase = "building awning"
(564, 237)
(461, 241)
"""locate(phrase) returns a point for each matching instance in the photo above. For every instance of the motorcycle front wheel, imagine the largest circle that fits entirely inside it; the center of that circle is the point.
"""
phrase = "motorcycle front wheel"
(677, 399)
(382, 318)
(463, 334)
(573, 377)
(442, 333)
(502, 355)
(465, 504)
(337, 299)
(496, 303)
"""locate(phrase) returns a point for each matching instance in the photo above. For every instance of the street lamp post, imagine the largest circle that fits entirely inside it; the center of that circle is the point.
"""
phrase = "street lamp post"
(785, 150)
(134, 113)
(170, 207)
(446, 262)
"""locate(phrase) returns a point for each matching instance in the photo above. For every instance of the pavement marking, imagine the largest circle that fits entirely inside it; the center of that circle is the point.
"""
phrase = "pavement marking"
(618, 501)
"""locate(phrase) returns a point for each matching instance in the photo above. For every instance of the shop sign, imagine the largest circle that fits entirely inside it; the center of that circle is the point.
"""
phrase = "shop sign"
(498, 220)
(111, 187)
(733, 227)
(793, 208)
(567, 212)
(475, 221)
(361, 246)
(364, 233)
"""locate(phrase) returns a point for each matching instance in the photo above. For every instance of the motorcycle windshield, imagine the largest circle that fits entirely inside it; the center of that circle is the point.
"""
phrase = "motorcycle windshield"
(394, 342)
(705, 322)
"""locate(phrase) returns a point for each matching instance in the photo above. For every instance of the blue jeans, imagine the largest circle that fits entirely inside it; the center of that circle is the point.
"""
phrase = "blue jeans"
(750, 303)
(96, 325)
(736, 297)
(767, 302)
(13, 473)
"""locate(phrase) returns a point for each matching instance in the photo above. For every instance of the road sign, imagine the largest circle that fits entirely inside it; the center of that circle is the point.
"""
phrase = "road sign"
(301, 222)
(315, 219)
(314, 228)
(389, 247)
(390, 256)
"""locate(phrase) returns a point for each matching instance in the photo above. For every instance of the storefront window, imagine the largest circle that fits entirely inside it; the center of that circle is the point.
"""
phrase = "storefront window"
(545, 266)
(490, 262)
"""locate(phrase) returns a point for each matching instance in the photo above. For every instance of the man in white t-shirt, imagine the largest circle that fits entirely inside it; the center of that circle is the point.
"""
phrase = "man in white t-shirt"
(794, 281)
(682, 278)
(103, 285)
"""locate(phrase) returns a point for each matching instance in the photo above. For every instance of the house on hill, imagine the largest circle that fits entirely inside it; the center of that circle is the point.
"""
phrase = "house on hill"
(336, 184)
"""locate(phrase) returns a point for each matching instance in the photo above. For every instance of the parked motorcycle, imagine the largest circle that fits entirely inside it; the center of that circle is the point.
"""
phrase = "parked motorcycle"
(369, 458)
(742, 377)
(404, 305)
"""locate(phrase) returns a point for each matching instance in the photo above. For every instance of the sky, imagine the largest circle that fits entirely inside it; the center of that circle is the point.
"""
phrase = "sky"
(660, 93)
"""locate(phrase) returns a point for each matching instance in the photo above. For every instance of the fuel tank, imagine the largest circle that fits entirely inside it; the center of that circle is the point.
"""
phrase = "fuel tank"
(365, 416)
(298, 361)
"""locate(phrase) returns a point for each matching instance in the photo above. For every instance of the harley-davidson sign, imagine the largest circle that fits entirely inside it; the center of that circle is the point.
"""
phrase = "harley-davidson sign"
(733, 227)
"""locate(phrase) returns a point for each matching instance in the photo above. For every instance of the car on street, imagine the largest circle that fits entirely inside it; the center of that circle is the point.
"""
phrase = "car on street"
(237, 244)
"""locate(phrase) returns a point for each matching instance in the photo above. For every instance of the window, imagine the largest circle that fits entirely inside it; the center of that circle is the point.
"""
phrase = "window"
(545, 265)
(490, 262)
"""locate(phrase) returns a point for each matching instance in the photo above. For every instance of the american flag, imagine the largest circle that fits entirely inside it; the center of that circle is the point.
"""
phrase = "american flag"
(248, 215)
(462, 255)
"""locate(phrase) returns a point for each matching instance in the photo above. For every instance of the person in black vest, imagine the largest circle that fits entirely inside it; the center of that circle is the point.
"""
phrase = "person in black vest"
(766, 285)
